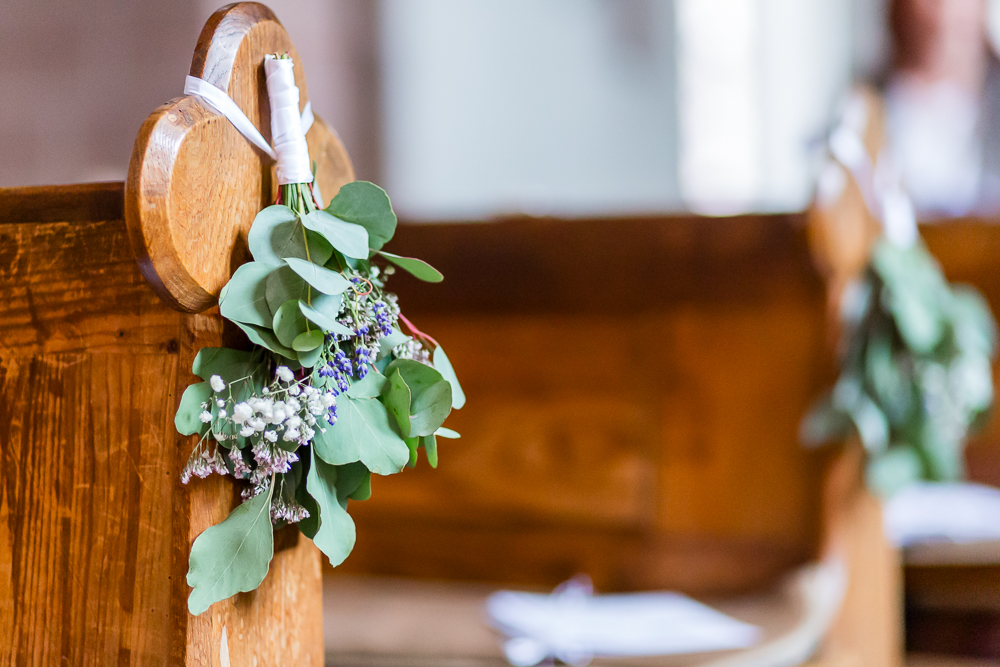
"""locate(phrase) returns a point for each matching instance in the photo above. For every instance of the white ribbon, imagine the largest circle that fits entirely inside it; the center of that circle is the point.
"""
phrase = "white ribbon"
(879, 184)
(286, 122)
(287, 150)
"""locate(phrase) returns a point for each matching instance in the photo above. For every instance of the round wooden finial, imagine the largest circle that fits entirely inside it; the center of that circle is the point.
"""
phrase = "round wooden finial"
(195, 183)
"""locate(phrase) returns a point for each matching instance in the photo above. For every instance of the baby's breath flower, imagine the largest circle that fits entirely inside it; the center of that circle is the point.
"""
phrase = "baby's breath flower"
(217, 383)
(284, 373)
(242, 412)
(205, 417)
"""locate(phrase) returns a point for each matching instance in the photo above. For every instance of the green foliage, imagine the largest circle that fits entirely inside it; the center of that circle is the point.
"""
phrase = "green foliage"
(277, 233)
(336, 534)
(397, 402)
(429, 443)
(221, 361)
(284, 285)
(186, 420)
(443, 365)
(289, 322)
(245, 299)
(363, 433)
(430, 395)
(321, 278)
(323, 380)
(370, 386)
(415, 267)
(430, 408)
(349, 239)
(308, 341)
(264, 337)
(366, 204)
(233, 556)
(323, 320)
(916, 371)
(395, 338)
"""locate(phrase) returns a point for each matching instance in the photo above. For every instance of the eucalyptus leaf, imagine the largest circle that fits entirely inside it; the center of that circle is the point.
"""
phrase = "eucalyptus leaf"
(415, 267)
(430, 408)
(413, 445)
(363, 432)
(387, 343)
(975, 329)
(348, 238)
(187, 419)
(322, 320)
(397, 402)
(370, 386)
(278, 233)
(264, 337)
(322, 279)
(443, 365)
(919, 322)
(429, 443)
(284, 285)
(289, 323)
(366, 204)
(309, 525)
(233, 556)
(336, 534)
(353, 482)
(308, 358)
(873, 428)
(220, 361)
(418, 376)
(307, 341)
(896, 468)
(245, 299)
(447, 433)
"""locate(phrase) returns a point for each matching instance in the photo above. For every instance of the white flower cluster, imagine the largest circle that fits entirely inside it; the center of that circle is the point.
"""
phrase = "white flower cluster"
(283, 418)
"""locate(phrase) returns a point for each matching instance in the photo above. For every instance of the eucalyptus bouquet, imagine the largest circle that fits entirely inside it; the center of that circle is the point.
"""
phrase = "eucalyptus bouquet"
(915, 374)
(330, 391)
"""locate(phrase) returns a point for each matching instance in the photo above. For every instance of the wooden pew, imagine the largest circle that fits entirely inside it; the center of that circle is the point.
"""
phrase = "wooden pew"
(95, 526)
(95, 350)
(635, 390)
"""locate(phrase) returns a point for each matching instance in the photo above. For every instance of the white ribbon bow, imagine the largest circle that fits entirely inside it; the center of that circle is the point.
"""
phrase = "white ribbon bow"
(288, 129)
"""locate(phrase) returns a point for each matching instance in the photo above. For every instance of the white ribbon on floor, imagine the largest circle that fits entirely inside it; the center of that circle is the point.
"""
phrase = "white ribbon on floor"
(287, 127)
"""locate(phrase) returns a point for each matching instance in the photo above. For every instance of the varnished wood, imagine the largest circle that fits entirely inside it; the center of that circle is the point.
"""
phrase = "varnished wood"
(635, 389)
(195, 184)
(95, 527)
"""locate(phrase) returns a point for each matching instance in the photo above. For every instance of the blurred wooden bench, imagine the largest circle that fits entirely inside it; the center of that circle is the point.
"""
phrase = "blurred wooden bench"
(635, 390)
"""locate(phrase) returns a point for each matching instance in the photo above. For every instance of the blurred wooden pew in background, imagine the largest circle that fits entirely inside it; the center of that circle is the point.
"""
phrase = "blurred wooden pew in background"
(635, 390)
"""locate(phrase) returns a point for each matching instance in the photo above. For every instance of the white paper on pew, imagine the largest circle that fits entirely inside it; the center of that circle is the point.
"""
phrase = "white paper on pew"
(943, 512)
(574, 625)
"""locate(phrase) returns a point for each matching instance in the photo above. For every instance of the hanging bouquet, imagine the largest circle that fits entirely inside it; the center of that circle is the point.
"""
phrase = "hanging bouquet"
(337, 385)
(915, 375)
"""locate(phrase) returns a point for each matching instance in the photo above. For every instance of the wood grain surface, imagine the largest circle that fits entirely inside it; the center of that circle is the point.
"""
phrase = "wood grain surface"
(635, 388)
(195, 183)
(95, 527)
